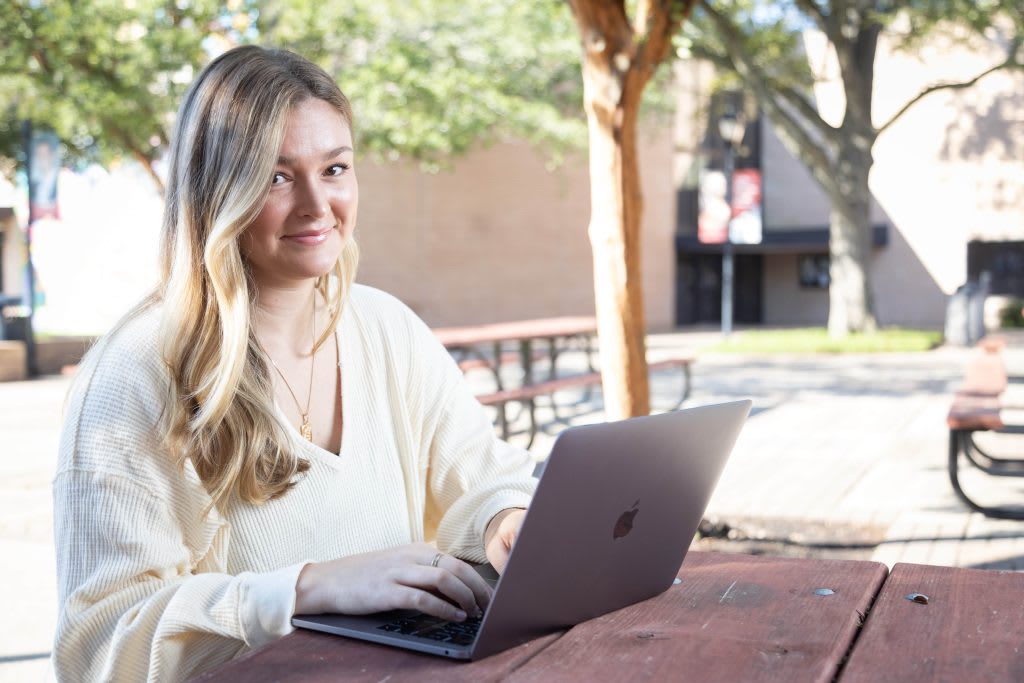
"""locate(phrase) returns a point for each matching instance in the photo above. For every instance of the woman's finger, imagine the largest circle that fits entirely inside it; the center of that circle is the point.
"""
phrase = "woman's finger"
(441, 581)
(481, 589)
(407, 597)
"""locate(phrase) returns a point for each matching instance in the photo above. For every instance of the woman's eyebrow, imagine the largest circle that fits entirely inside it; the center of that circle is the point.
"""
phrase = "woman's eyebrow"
(328, 155)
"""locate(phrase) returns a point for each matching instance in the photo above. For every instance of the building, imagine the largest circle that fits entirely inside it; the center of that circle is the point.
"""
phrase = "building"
(498, 237)
(947, 183)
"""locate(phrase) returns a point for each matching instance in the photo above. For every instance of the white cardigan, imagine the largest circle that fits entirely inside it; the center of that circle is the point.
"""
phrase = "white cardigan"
(149, 589)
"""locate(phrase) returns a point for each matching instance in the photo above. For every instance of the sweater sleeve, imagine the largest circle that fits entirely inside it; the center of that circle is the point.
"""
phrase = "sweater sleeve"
(134, 604)
(142, 586)
(471, 474)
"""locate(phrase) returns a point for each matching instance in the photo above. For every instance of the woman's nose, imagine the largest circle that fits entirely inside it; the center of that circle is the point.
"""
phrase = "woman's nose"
(313, 201)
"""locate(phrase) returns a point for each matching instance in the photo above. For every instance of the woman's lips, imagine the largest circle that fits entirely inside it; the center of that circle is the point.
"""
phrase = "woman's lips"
(309, 237)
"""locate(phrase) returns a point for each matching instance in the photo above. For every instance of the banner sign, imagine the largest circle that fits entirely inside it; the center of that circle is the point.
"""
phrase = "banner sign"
(45, 165)
(713, 211)
(746, 225)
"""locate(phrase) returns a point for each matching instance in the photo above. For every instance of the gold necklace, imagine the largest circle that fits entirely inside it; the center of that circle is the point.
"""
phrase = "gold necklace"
(305, 428)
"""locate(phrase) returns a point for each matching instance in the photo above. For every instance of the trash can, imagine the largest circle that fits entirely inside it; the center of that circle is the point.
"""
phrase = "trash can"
(976, 308)
(965, 312)
(956, 315)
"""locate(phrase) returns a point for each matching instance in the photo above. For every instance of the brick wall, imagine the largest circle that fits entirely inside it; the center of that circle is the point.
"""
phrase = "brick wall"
(499, 237)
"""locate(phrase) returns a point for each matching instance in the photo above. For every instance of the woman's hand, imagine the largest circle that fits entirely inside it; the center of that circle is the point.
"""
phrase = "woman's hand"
(501, 534)
(397, 578)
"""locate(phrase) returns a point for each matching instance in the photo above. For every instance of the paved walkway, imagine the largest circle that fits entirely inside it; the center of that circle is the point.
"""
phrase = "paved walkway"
(845, 455)
(840, 452)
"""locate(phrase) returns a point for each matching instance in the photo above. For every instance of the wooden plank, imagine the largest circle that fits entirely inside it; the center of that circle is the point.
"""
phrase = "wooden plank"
(552, 385)
(313, 657)
(541, 328)
(507, 358)
(970, 630)
(733, 618)
(975, 412)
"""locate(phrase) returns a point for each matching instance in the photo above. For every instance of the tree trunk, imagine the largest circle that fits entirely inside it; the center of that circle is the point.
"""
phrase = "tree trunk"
(851, 302)
(616, 206)
(618, 60)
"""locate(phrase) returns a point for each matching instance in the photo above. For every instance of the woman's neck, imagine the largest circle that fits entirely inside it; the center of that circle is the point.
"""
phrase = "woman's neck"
(283, 319)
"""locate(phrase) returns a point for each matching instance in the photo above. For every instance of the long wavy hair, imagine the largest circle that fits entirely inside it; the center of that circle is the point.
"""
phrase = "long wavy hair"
(220, 414)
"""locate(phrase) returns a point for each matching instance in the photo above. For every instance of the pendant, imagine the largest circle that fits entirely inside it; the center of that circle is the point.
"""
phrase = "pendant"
(306, 429)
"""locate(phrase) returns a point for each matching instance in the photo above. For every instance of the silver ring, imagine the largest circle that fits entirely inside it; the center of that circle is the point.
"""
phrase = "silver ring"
(437, 558)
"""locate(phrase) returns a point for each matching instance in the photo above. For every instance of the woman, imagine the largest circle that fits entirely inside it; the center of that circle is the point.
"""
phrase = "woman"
(261, 437)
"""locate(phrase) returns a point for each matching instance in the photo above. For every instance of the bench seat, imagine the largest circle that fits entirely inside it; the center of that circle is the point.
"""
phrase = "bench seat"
(528, 393)
(507, 358)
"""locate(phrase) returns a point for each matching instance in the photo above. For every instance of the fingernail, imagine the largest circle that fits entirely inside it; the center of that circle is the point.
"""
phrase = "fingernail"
(460, 615)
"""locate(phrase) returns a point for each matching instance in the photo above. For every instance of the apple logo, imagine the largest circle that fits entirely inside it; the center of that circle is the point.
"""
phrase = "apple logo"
(625, 522)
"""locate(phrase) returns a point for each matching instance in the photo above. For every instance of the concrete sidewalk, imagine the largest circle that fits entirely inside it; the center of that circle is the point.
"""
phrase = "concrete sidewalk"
(840, 453)
(845, 455)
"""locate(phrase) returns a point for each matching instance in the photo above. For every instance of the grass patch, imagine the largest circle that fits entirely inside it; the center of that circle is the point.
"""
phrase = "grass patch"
(816, 340)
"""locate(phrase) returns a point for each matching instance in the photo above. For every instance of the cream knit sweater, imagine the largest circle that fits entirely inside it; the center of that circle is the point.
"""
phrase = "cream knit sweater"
(150, 589)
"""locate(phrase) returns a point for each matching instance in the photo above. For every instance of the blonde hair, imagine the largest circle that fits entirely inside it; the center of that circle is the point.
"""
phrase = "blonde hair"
(220, 413)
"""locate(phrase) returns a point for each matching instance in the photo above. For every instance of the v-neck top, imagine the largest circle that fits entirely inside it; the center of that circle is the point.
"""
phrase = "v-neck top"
(152, 588)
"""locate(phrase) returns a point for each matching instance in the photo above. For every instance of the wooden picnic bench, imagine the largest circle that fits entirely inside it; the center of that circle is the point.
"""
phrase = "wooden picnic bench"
(730, 618)
(469, 345)
(978, 407)
(528, 393)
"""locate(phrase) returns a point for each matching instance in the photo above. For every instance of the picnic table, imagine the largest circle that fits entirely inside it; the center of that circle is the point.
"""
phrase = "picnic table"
(560, 334)
(730, 618)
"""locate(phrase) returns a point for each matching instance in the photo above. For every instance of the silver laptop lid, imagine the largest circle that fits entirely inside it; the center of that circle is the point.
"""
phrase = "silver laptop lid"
(613, 516)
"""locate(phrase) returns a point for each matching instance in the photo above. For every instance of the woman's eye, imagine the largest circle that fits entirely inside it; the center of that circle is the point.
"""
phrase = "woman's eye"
(277, 179)
(337, 169)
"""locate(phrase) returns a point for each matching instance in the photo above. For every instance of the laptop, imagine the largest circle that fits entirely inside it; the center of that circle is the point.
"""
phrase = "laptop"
(615, 511)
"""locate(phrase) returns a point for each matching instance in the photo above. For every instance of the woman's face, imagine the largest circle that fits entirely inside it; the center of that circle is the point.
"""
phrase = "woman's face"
(311, 208)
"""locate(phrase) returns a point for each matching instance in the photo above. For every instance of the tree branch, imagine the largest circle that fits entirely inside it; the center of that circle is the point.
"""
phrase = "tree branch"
(846, 32)
(656, 23)
(803, 106)
(1009, 63)
(597, 18)
(811, 8)
(799, 141)
(740, 58)
(740, 61)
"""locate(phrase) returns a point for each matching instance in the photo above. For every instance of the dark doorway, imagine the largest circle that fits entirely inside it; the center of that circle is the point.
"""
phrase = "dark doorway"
(699, 288)
(1003, 261)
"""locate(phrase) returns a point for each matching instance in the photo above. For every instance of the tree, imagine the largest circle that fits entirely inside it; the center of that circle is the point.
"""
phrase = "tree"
(758, 43)
(105, 75)
(432, 79)
(619, 58)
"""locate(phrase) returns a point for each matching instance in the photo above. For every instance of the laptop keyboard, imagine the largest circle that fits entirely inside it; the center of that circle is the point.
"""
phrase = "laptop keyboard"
(432, 628)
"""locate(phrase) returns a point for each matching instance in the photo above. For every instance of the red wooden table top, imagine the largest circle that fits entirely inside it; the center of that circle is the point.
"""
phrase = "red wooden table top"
(971, 629)
(733, 618)
(518, 330)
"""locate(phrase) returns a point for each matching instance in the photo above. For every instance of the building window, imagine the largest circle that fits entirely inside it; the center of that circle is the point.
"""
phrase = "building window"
(813, 271)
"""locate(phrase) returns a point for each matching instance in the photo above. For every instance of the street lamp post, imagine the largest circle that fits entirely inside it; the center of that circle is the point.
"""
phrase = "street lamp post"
(31, 367)
(731, 130)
